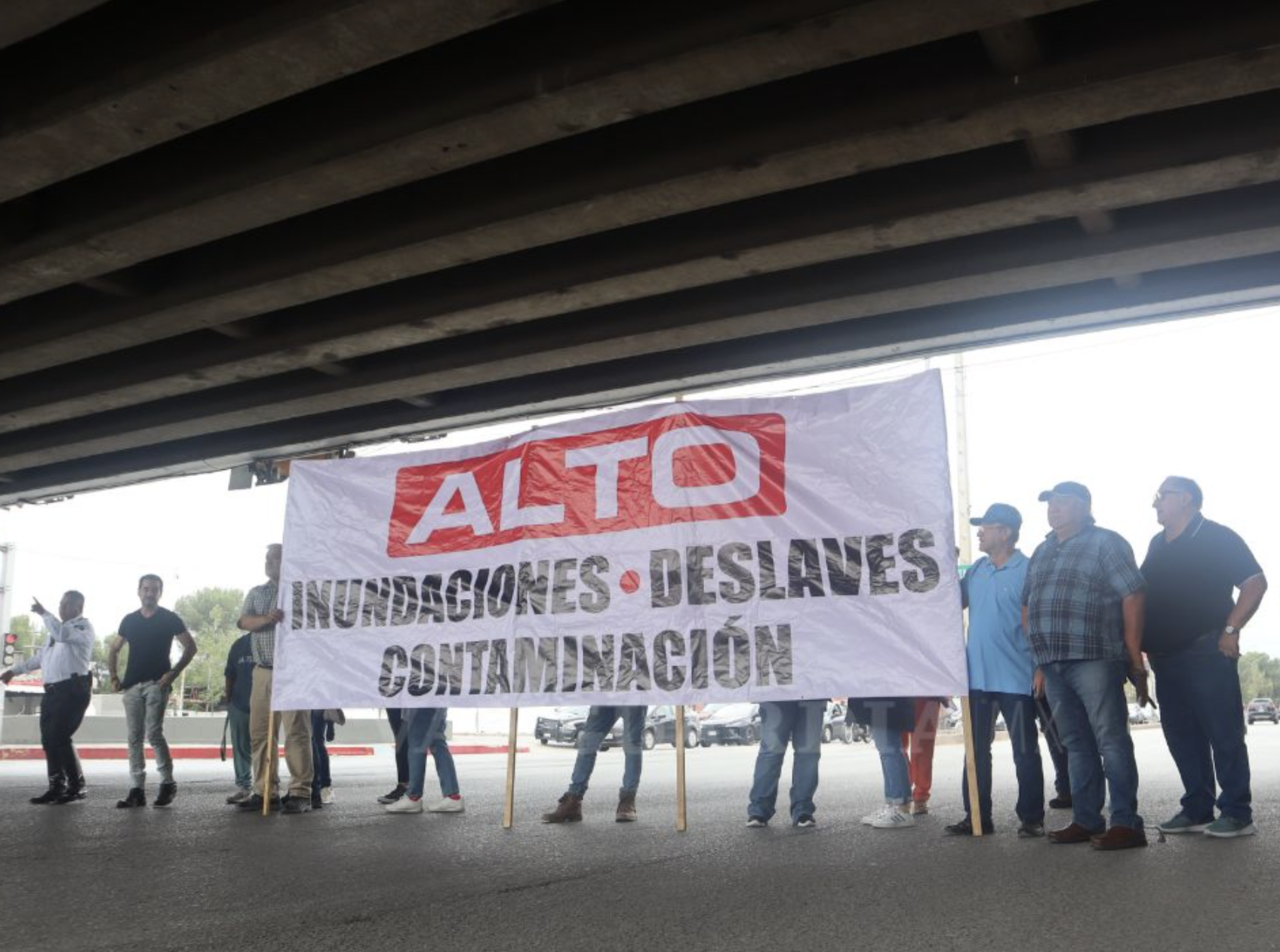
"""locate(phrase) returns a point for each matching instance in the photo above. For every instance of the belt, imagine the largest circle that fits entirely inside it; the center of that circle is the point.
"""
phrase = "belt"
(69, 682)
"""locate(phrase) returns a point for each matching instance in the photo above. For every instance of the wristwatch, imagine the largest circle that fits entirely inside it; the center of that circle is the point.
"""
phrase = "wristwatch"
(1231, 630)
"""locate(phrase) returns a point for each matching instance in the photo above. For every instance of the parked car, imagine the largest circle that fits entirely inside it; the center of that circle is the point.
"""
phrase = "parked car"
(1263, 709)
(730, 724)
(660, 727)
(1138, 714)
(834, 727)
(564, 726)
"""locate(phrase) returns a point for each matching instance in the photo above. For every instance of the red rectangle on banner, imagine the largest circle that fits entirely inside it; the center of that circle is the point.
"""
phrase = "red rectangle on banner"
(685, 467)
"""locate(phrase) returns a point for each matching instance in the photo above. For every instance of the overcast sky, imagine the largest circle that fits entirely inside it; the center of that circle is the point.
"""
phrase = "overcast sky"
(1117, 410)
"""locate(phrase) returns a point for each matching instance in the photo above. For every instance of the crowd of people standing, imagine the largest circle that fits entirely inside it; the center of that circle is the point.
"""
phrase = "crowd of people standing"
(1053, 639)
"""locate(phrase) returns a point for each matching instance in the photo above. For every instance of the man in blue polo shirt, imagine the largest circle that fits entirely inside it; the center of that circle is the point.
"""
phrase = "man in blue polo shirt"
(1001, 671)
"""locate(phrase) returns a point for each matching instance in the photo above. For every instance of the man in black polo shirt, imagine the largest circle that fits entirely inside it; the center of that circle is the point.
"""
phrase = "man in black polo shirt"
(1192, 639)
(148, 677)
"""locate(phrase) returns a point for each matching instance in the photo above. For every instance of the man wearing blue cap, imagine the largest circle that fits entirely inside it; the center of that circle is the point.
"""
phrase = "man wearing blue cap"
(1085, 599)
(1001, 671)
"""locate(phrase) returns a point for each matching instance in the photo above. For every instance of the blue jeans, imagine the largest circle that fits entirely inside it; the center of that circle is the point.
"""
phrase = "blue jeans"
(1200, 712)
(599, 722)
(144, 706)
(1019, 712)
(426, 726)
(893, 764)
(319, 754)
(1089, 707)
(799, 722)
(241, 746)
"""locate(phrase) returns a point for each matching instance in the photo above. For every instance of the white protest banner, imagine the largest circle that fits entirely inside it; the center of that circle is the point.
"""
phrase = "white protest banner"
(797, 547)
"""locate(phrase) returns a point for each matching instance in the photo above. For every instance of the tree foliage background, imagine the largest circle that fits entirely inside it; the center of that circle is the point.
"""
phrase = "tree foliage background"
(210, 615)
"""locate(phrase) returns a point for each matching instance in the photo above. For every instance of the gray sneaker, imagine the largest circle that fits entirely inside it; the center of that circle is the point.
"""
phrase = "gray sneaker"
(240, 796)
(1226, 827)
(1183, 824)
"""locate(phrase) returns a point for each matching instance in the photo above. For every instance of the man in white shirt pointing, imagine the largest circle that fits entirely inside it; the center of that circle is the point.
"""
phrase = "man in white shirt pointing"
(65, 658)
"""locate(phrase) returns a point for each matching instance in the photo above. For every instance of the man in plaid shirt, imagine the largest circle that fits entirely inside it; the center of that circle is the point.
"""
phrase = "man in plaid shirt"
(1083, 605)
(259, 617)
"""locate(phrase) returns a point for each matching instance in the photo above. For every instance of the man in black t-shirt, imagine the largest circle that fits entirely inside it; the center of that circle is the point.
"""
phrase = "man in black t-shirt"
(148, 676)
(1192, 639)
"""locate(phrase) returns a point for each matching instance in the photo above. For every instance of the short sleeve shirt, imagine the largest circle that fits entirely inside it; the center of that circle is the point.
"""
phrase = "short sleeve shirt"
(150, 643)
(1190, 582)
(1074, 593)
(261, 600)
(240, 668)
(998, 650)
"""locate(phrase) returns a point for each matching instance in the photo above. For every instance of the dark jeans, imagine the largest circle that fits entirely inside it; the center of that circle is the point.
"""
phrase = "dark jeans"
(60, 716)
(319, 754)
(1057, 749)
(1089, 707)
(1019, 712)
(1200, 712)
(395, 717)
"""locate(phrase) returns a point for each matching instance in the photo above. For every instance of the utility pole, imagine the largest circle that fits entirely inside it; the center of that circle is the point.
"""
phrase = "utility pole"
(7, 554)
(962, 466)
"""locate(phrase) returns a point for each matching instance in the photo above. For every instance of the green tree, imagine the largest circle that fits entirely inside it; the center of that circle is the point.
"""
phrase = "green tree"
(30, 636)
(1259, 675)
(210, 615)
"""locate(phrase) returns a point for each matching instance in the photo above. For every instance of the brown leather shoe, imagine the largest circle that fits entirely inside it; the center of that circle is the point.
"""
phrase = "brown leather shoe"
(1075, 833)
(626, 808)
(1120, 838)
(568, 810)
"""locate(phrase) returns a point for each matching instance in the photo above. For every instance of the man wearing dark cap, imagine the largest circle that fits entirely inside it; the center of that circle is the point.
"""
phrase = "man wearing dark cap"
(1084, 600)
(1192, 637)
(1001, 671)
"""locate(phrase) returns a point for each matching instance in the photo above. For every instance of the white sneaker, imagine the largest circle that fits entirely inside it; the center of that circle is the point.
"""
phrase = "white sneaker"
(326, 794)
(404, 805)
(448, 805)
(891, 818)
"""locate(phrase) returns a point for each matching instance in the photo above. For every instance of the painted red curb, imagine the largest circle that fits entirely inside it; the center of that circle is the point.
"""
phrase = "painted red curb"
(213, 753)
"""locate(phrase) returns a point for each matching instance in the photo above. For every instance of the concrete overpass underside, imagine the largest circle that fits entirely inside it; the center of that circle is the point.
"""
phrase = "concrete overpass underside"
(251, 229)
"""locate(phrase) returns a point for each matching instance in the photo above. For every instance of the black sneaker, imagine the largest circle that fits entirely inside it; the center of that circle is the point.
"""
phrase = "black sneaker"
(70, 795)
(806, 822)
(253, 804)
(396, 793)
(965, 828)
(50, 796)
(167, 792)
(1030, 831)
(134, 798)
(297, 805)
(316, 802)
(1061, 802)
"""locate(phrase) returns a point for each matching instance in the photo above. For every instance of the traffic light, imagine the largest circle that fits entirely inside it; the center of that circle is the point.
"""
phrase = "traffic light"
(10, 650)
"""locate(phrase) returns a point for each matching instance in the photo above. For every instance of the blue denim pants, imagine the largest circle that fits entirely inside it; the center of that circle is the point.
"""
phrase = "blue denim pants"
(893, 764)
(319, 754)
(426, 727)
(1200, 712)
(599, 722)
(1019, 712)
(800, 723)
(1089, 707)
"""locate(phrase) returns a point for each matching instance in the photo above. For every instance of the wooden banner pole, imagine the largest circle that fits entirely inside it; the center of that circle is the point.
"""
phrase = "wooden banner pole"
(682, 816)
(508, 809)
(970, 760)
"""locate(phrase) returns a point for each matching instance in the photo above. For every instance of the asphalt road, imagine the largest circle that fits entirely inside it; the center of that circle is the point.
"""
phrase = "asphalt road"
(201, 876)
